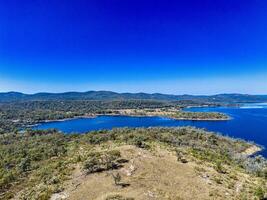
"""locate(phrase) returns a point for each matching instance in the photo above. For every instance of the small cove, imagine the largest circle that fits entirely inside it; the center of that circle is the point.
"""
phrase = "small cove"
(248, 122)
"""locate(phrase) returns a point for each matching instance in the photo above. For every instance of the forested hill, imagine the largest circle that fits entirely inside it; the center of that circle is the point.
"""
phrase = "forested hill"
(108, 95)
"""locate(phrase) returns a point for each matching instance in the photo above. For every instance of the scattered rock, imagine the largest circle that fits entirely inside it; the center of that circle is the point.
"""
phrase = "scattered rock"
(59, 196)
(130, 171)
(150, 194)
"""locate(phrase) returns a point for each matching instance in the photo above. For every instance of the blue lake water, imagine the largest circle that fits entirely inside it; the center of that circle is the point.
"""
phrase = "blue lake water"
(249, 122)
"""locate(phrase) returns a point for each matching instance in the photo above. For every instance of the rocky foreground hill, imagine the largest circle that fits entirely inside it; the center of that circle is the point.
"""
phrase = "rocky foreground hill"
(127, 164)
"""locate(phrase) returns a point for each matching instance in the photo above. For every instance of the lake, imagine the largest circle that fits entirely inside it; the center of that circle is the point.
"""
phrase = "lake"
(249, 122)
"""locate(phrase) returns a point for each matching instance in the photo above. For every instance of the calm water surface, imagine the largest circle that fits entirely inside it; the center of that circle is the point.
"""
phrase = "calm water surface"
(249, 122)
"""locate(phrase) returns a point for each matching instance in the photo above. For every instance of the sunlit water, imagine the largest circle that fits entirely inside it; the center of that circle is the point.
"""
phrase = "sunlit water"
(248, 122)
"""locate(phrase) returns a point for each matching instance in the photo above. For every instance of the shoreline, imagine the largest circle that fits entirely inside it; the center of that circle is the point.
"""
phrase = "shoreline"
(59, 120)
(200, 119)
(117, 115)
(67, 119)
(250, 151)
(88, 116)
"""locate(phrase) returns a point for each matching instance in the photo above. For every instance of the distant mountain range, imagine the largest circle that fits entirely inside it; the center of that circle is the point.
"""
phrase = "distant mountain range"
(108, 95)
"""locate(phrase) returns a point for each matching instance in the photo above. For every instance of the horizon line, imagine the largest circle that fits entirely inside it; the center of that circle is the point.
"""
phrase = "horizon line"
(42, 92)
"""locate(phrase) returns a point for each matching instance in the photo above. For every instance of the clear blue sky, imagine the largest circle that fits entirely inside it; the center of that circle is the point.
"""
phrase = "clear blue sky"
(167, 46)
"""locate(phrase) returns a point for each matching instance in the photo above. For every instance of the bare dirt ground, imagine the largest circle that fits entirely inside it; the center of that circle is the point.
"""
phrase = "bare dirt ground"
(252, 150)
(154, 175)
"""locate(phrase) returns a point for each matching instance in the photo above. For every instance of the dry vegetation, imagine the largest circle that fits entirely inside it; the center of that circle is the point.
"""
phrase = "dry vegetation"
(171, 112)
(127, 164)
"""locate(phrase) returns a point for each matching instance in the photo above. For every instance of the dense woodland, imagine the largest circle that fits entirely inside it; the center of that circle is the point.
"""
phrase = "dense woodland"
(14, 115)
(18, 110)
(35, 164)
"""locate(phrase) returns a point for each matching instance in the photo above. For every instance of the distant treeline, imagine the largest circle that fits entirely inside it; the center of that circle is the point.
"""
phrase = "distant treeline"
(110, 96)
(16, 114)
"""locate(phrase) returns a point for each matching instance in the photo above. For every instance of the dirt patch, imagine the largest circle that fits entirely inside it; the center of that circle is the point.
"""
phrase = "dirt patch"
(251, 150)
(149, 175)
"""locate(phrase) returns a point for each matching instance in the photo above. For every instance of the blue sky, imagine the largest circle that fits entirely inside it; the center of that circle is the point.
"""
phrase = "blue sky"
(167, 46)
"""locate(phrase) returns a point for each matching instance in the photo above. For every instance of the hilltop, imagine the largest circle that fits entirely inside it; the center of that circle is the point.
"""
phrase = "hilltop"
(108, 95)
(130, 164)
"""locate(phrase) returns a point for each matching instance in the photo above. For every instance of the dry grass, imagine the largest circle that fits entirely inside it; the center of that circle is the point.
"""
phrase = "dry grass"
(156, 174)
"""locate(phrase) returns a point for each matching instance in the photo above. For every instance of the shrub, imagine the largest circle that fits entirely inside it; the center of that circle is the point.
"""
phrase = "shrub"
(25, 164)
(6, 178)
(255, 165)
(139, 141)
(92, 165)
(259, 193)
(116, 178)
(102, 161)
(180, 156)
(219, 167)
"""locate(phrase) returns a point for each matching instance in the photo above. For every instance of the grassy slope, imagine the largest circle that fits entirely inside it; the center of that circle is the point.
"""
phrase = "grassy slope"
(38, 164)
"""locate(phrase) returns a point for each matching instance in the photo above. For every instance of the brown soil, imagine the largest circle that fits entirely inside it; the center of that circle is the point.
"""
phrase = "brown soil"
(154, 175)
(251, 150)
